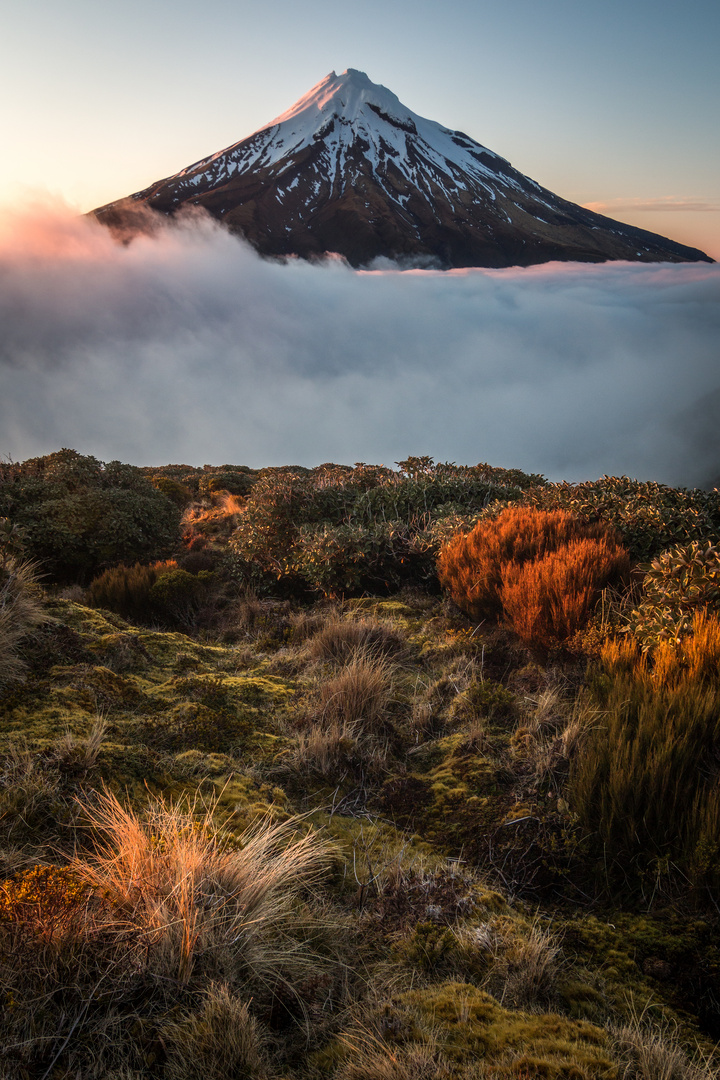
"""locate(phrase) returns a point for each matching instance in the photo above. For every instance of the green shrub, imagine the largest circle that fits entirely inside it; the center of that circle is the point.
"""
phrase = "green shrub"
(677, 584)
(126, 590)
(237, 483)
(177, 595)
(179, 493)
(349, 560)
(80, 515)
(156, 592)
(649, 517)
(345, 531)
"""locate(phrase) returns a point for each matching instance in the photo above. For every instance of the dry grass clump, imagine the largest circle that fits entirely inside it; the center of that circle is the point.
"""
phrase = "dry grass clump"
(647, 1052)
(327, 750)
(359, 694)
(194, 900)
(521, 963)
(552, 733)
(305, 624)
(344, 734)
(340, 638)
(81, 754)
(265, 622)
(372, 1058)
(542, 571)
(219, 1041)
(21, 610)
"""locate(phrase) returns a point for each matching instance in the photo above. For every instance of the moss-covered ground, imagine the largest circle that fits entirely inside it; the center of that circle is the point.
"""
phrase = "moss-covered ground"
(466, 914)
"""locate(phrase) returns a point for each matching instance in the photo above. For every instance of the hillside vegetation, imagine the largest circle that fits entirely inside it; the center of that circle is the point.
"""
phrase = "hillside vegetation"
(357, 772)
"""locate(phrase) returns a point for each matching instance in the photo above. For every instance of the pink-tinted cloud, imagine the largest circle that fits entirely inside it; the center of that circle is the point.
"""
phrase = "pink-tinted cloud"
(669, 202)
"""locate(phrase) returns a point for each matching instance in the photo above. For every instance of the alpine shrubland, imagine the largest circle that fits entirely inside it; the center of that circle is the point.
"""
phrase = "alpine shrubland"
(357, 772)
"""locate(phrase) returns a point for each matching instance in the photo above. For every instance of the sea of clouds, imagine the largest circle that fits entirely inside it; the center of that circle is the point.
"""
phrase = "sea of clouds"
(185, 346)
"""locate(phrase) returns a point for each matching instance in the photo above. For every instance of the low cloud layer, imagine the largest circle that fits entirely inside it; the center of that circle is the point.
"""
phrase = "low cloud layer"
(188, 347)
(668, 202)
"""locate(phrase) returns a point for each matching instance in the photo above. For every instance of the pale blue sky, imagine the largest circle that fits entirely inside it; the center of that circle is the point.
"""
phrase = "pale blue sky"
(613, 103)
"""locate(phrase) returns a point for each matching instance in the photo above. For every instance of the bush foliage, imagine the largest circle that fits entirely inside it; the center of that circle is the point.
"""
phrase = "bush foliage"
(679, 583)
(80, 515)
(649, 517)
(346, 531)
(158, 592)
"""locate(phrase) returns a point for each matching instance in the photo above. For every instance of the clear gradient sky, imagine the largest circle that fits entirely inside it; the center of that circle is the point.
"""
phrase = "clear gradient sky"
(612, 104)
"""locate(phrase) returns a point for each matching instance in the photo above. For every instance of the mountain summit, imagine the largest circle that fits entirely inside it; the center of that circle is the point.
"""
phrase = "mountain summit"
(350, 169)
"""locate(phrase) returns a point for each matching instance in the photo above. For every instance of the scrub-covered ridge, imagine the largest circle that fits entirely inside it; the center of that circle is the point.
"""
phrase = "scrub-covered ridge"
(357, 772)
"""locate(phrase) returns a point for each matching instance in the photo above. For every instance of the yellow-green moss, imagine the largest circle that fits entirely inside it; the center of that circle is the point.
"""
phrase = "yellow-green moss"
(472, 1024)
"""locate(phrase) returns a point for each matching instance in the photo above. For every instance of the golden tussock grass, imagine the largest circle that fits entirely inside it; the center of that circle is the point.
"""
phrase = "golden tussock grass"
(192, 898)
(694, 660)
(647, 778)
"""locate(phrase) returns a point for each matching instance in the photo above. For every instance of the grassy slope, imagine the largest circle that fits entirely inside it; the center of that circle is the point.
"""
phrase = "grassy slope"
(461, 934)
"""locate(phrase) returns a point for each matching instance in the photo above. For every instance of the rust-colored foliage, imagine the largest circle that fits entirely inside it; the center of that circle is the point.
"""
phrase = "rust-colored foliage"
(46, 902)
(542, 571)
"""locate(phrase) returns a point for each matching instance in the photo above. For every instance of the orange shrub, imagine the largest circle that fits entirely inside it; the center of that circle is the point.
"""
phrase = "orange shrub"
(548, 600)
(542, 571)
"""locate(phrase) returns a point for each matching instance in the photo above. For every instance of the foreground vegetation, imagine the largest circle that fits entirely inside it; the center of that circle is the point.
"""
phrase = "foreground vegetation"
(357, 773)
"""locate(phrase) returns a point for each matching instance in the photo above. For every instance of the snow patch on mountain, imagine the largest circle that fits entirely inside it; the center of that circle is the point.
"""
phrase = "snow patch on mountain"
(347, 111)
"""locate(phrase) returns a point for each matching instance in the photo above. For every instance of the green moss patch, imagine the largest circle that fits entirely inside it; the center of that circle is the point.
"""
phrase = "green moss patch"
(472, 1024)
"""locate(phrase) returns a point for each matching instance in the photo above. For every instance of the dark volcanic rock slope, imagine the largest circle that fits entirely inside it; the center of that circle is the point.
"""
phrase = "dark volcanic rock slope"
(350, 169)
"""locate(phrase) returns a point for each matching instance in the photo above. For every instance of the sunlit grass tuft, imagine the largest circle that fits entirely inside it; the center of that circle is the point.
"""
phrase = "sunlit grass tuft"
(195, 899)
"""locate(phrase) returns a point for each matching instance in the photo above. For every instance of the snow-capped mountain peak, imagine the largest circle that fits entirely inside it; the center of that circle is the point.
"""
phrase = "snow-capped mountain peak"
(343, 95)
(350, 169)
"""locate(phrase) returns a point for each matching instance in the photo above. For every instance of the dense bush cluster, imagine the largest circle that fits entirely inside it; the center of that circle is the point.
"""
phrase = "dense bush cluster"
(157, 592)
(80, 515)
(650, 517)
(346, 531)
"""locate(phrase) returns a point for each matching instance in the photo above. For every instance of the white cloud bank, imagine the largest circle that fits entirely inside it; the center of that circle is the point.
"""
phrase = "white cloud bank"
(188, 347)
